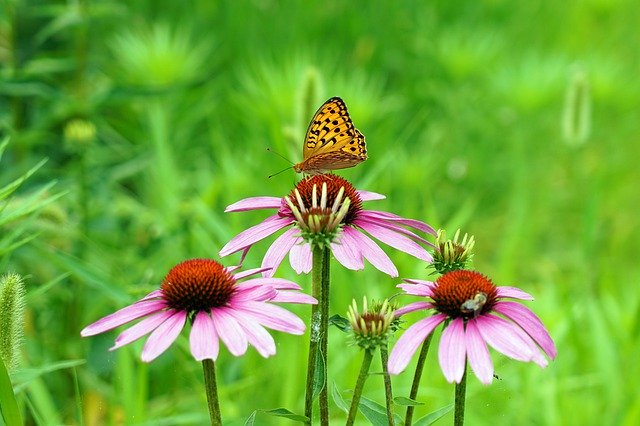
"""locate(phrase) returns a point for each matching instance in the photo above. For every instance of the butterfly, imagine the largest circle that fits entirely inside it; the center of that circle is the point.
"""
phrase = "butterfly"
(332, 141)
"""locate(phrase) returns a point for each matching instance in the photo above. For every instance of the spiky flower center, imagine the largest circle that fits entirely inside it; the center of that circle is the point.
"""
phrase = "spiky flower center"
(452, 254)
(198, 285)
(463, 293)
(321, 205)
(372, 325)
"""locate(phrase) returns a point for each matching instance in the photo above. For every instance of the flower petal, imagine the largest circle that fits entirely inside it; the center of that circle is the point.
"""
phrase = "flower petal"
(396, 240)
(452, 351)
(254, 292)
(409, 342)
(513, 293)
(530, 323)
(279, 249)
(141, 329)
(255, 203)
(249, 272)
(371, 251)
(277, 283)
(203, 338)
(123, 316)
(257, 336)
(163, 336)
(503, 337)
(417, 289)
(393, 226)
(370, 196)
(411, 307)
(300, 258)
(230, 332)
(272, 316)
(344, 253)
(478, 353)
(401, 220)
(257, 232)
(294, 297)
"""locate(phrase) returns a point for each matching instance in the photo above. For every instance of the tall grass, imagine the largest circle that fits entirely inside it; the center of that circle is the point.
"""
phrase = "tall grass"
(516, 121)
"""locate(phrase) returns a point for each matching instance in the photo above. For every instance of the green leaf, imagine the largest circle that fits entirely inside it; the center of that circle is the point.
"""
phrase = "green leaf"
(374, 412)
(340, 322)
(283, 412)
(25, 376)
(8, 404)
(318, 376)
(406, 402)
(433, 416)
(251, 419)
(337, 398)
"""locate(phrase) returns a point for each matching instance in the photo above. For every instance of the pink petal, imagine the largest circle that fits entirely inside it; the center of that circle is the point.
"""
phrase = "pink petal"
(409, 342)
(249, 272)
(277, 283)
(503, 337)
(417, 289)
(153, 295)
(279, 249)
(395, 218)
(254, 292)
(123, 316)
(371, 251)
(255, 233)
(255, 203)
(478, 353)
(452, 351)
(397, 241)
(141, 329)
(411, 307)
(370, 196)
(513, 293)
(230, 332)
(343, 251)
(530, 323)
(300, 258)
(294, 297)
(163, 336)
(203, 339)
(272, 316)
(257, 336)
(363, 219)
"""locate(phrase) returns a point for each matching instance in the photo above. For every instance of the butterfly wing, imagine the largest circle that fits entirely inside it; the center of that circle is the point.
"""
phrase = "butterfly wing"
(332, 141)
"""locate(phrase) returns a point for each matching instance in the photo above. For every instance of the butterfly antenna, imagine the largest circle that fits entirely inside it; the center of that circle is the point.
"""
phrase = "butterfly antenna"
(275, 174)
(281, 156)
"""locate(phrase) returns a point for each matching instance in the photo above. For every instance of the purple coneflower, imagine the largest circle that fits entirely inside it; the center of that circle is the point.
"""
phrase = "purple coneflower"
(218, 306)
(326, 210)
(470, 301)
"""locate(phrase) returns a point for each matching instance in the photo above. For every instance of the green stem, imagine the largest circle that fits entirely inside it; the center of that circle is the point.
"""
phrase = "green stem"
(384, 357)
(357, 392)
(458, 417)
(10, 411)
(314, 335)
(324, 335)
(416, 378)
(209, 369)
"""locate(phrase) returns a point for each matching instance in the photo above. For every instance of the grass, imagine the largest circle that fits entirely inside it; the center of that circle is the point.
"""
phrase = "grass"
(514, 121)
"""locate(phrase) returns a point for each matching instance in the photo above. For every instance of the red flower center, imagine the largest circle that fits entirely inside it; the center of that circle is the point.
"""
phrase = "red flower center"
(198, 285)
(334, 183)
(463, 293)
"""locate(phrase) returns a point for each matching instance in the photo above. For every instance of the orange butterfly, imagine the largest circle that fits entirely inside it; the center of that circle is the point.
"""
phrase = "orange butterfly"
(332, 141)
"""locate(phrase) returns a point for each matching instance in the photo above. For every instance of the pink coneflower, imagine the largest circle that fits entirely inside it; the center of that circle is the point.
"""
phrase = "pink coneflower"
(470, 301)
(218, 306)
(326, 210)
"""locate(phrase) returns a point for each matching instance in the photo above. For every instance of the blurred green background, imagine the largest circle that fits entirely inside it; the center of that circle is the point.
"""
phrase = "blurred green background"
(516, 121)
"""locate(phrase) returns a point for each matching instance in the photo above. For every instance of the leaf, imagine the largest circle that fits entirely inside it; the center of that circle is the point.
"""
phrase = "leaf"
(341, 323)
(8, 404)
(374, 412)
(318, 376)
(283, 412)
(251, 419)
(433, 416)
(337, 398)
(25, 376)
(406, 402)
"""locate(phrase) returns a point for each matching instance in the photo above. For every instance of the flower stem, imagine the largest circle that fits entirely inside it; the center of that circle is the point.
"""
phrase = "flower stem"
(318, 334)
(458, 417)
(324, 335)
(209, 369)
(357, 392)
(416, 378)
(384, 357)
